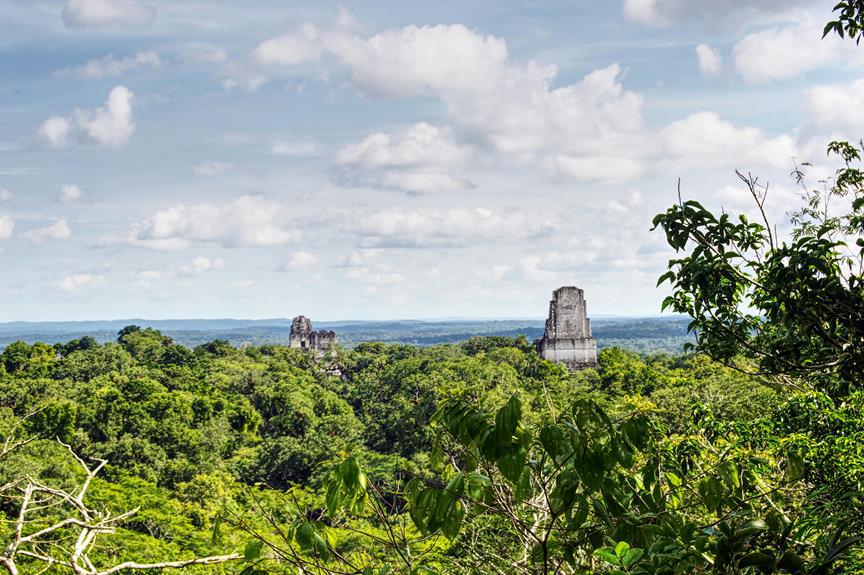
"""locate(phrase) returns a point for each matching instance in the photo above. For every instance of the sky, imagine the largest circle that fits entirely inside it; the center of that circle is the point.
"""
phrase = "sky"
(382, 159)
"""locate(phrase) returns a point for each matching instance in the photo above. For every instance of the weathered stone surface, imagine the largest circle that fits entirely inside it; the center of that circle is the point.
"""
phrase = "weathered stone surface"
(305, 338)
(567, 338)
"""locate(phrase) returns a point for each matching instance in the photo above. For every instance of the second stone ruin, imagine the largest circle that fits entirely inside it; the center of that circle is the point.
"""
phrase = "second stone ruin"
(567, 338)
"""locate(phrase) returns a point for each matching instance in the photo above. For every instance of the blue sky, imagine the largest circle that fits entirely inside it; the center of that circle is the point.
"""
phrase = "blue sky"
(191, 159)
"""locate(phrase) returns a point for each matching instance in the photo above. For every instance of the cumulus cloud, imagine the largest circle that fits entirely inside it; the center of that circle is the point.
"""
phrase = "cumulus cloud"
(782, 52)
(299, 47)
(361, 257)
(237, 76)
(416, 160)
(365, 266)
(299, 260)
(376, 277)
(75, 282)
(82, 14)
(108, 126)
(5, 194)
(610, 169)
(704, 139)
(395, 227)
(590, 130)
(58, 230)
(148, 279)
(838, 106)
(7, 226)
(419, 145)
(210, 168)
(512, 108)
(710, 61)
(55, 131)
(247, 221)
(70, 193)
(110, 66)
(494, 273)
(203, 264)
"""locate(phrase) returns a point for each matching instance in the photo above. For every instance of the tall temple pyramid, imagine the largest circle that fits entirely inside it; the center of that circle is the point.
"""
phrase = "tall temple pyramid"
(567, 338)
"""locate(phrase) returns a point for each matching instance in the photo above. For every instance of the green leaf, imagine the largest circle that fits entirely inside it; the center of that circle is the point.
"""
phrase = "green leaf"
(632, 556)
(712, 492)
(253, 550)
(590, 467)
(507, 418)
(608, 554)
(751, 527)
(332, 497)
(621, 548)
(729, 473)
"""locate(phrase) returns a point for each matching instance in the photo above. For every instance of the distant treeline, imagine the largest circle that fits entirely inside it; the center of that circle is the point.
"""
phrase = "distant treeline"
(646, 335)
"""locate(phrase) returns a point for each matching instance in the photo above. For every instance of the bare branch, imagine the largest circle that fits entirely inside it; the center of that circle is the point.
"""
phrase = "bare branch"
(89, 523)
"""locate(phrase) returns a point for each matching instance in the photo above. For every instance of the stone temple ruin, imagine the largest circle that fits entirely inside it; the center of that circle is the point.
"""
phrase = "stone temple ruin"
(305, 338)
(567, 338)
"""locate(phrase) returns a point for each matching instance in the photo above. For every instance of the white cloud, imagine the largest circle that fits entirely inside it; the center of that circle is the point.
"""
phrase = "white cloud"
(55, 131)
(710, 61)
(238, 76)
(366, 267)
(291, 49)
(298, 148)
(838, 106)
(362, 257)
(512, 108)
(231, 74)
(111, 125)
(247, 221)
(70, 193)
(75, 282)
(58, 230)
(108, 126)
(148, 279)
(395, 227)
(210, 168)
(420, 60)
(418, 159)
(531, 270)
(493, 273)
(7, 226)
(704, 139)
(300, 260)
(80, 14)
(203, 264)
(590, 130)
(109, 66)
(375, 277)
(5, 194)
(611, 169)
(787, 51)
(419, 145)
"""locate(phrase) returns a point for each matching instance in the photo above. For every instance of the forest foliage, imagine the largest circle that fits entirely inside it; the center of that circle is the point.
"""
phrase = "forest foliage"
(458, 458)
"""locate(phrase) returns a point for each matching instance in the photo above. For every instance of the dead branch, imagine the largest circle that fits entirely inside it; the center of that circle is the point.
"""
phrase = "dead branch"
(50, 545)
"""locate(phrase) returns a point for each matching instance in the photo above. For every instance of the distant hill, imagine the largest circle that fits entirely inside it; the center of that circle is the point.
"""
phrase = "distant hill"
(666, 334)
